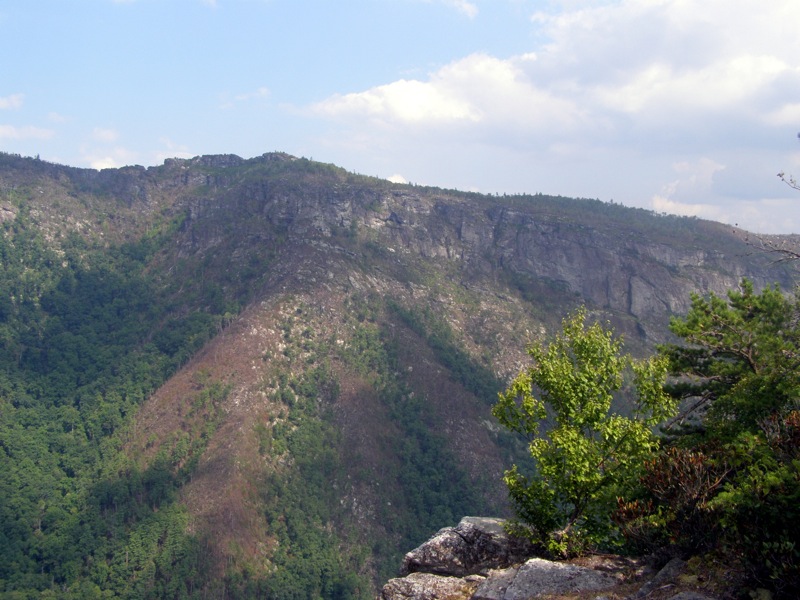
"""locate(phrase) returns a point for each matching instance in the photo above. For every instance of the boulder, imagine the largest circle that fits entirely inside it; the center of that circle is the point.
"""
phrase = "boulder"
(538, 578)
(473, 546)
(669, 572)
(427, 586)
(478, 560)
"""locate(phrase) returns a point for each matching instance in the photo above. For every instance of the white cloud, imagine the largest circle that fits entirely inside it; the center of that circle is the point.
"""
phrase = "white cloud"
(698, 175)
(11, 102)
(10, 132)
(694, 180)
(108, 158)
(647, 101)
(397, 179)
(706, 211)
(478, 91)
(171, 150)
(104, 162)
(787, 114)
(261, 93)
(404, 101)
(468, 9)
(622, 65)
(771, 215)
(465, 7)
(55, 117)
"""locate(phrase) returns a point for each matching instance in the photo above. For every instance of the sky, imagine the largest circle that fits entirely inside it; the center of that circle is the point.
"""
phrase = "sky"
(686, 107)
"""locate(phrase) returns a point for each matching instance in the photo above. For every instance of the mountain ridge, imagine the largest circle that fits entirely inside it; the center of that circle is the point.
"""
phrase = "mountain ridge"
(327, 332)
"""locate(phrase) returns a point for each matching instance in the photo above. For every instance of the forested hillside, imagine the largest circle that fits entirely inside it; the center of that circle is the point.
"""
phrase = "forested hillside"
(234, 378)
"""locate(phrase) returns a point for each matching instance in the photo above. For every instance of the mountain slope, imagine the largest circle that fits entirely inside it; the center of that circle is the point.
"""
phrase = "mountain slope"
(271, 375)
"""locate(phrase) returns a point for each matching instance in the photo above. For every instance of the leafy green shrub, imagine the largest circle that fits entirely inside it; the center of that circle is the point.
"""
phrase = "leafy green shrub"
(739, 360)
(589, 454)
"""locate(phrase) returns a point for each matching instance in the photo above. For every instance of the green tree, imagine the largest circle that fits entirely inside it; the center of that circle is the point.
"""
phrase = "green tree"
(588, 452)
(737, 373)
(738, 363)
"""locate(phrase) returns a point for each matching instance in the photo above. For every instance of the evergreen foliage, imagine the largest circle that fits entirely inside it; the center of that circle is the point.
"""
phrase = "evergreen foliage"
(475, 377)
(739, 360)
(302, 503)
(91, 325)
(730, 481)
(77, 326)
(431, 487)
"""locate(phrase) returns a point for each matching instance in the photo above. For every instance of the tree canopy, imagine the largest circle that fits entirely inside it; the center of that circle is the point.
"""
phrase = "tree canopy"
(739, 357)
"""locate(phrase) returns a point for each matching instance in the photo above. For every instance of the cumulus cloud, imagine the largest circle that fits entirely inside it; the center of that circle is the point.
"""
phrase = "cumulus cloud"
(171, 150)
(105, 157)
(707, 211)
(478, 92)
(11, 102)
(55, 117)
(668, 90)
(403, 101)
(693, 180)
(611, 67)
(104, 162)
(261, 93)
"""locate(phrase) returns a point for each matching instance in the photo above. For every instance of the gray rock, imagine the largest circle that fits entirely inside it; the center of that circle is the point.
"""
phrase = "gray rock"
(494, 587)
(690, 596)
(474, 545)
(667, 574)
(427, 586)
(538, 578)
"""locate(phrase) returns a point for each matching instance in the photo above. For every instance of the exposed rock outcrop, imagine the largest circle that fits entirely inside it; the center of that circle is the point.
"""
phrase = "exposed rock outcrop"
(427, 586)
(472, 546)
(478, 560)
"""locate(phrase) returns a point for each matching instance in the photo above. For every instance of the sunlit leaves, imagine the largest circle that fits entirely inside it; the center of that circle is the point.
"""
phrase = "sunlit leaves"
(588, 451)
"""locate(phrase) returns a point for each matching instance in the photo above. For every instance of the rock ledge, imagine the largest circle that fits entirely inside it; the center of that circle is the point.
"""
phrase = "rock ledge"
(478, 560)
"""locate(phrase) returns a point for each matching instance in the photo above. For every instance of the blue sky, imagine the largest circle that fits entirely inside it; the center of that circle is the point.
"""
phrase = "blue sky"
(680, 106)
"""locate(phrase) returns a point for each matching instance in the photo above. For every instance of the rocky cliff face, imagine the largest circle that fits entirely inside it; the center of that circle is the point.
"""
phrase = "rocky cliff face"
(635, 266)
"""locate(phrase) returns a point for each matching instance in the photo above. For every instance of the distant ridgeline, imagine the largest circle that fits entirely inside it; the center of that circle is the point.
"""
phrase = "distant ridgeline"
(273, 377)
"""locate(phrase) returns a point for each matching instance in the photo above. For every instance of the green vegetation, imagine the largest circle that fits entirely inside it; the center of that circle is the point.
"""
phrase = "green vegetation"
(739, 360)
(430, 487)
(725, 479)
(736, 469)
(85, 336)
(110, 281)
(588, 454)
(317, 555)
(475, 377)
